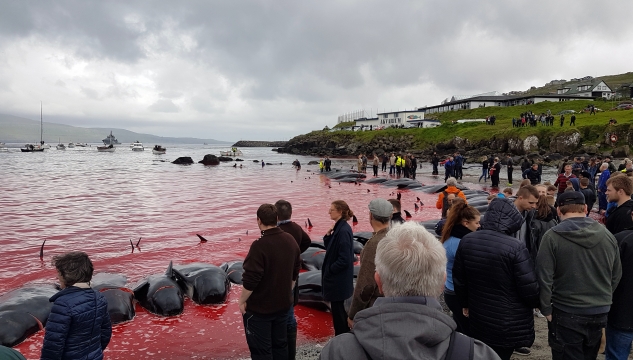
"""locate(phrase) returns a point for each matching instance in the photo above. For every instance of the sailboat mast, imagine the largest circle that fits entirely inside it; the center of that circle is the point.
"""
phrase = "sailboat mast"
(41, 125)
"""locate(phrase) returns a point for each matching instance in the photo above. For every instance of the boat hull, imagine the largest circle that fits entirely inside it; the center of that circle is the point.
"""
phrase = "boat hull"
(32, 150)
(107, 149)
(159, 152)
(231, 153)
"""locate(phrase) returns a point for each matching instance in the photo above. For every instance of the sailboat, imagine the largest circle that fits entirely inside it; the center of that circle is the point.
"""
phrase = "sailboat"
(61, 146)
(40, 147)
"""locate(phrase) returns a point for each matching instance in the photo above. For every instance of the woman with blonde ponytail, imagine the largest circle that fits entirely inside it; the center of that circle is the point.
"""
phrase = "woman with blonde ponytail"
(462, 219)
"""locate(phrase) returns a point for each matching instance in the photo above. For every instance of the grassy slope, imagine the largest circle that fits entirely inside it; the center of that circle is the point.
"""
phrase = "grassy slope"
(591, 127)
(614, 81)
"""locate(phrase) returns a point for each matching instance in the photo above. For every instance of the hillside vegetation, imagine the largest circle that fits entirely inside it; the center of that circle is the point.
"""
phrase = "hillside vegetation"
(592, 129)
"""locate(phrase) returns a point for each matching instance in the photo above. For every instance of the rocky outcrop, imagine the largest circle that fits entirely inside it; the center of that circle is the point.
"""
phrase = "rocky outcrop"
(210, 160)
(225, 158)
(184, 160)
(621, 151)
(565, 143)
(248, 143)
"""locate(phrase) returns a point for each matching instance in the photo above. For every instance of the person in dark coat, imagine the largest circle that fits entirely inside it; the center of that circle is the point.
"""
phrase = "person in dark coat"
(435, 161)
(78, 326)
(500, 311)
(620, 319)
(284, 213)
(338, 264)
(619, 190)
(495, 171)
(533, 174)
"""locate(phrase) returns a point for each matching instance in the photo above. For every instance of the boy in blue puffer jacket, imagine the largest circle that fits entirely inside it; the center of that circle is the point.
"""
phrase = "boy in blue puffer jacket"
(78, 326)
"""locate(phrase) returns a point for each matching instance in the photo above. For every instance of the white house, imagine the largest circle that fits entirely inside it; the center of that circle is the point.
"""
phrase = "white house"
(588, 88)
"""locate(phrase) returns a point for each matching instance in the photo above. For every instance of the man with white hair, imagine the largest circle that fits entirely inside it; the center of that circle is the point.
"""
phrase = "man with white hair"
(408, 322)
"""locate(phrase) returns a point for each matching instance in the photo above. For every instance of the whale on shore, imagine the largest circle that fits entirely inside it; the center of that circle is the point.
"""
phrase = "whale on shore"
(120, 299)
(161, 294)
(203, 283)
(23, 312)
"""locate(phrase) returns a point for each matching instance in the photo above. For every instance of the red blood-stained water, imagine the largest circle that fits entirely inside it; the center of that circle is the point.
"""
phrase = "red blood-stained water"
(96, 202)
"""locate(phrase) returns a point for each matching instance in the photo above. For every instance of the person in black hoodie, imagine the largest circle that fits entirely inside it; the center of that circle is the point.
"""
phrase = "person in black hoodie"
(619, 189)
(338, 265)
(620, 319)
(500, 311)
(543, 218)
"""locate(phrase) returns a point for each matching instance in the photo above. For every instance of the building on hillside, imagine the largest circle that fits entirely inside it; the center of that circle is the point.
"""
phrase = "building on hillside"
(589, 88)
(497, 100)
(405, 118)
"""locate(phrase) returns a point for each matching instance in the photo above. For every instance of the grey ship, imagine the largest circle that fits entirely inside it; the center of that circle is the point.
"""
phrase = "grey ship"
(111, 140)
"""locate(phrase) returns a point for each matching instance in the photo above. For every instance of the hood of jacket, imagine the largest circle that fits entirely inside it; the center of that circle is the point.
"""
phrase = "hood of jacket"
(452, 190)
(582, 231)
(395, 330)
(502, 216)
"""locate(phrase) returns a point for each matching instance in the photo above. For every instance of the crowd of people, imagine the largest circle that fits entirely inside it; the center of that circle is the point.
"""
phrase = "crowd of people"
(529, 119)
(547, 257)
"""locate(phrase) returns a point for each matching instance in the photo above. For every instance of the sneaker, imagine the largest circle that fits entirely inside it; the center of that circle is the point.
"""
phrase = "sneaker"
(538, 314)
(509, 184)
(523, 351)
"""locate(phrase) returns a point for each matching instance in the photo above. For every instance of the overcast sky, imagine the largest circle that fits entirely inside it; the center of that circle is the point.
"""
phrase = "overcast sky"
(274, 69)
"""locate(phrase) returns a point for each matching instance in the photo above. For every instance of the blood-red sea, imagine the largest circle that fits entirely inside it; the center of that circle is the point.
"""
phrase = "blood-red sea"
(96, 202)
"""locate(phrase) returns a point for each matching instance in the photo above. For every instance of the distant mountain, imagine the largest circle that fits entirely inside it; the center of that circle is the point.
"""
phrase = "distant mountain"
(15, 129)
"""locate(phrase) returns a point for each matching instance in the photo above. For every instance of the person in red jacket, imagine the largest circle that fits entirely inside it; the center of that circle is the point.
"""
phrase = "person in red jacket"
(562, 179)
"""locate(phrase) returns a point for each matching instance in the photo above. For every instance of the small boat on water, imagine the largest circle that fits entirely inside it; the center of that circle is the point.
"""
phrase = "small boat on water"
(137, 146)
(31, 148)
(158, 150)
(81, 145)
(234, 152)
(106, 148)
(71, 145)
(60, 146)
(3, 147)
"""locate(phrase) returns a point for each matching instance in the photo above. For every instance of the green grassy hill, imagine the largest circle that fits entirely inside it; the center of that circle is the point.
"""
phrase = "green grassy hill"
(592, 129)
(614, 81)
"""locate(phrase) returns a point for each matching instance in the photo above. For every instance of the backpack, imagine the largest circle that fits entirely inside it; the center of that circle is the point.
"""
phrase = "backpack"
(461, 347)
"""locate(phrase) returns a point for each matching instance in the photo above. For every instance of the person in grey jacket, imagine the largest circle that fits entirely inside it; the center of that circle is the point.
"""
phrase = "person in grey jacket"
(408, 323)
(578, 269)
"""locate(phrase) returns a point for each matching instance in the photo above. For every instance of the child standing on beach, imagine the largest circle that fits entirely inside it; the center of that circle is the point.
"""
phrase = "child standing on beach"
(78, 326)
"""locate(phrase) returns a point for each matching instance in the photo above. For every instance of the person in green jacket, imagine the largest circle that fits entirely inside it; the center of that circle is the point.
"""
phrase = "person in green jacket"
(578, 267)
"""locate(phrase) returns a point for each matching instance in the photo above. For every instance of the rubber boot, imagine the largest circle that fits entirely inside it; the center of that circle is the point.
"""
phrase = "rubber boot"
(292, 343)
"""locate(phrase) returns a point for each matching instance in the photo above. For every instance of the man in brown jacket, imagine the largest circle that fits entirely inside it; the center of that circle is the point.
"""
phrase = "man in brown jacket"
(366, 290)
(270, 271)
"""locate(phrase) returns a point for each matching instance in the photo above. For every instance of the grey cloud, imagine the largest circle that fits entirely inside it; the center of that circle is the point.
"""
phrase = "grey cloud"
(164, 105)
(90, 93)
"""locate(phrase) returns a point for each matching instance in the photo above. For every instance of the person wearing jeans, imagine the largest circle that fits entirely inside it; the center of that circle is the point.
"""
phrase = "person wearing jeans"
(484, 170)
(578, 271)
(270, 270)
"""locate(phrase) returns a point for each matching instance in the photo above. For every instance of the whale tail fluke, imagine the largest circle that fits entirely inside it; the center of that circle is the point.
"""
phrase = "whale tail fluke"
(132, 245)
(309, 223)
(42, 250)
(416, 206)
(421, 203)
(408, 214)
(138, 242)
(202, 239)
(399, 196)
(354, 219)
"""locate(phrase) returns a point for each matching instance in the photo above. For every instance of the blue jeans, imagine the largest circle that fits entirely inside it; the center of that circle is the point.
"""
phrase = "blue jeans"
(618, 344)
(602, 201)
(392, 169)
(484, 174)
(291, 322)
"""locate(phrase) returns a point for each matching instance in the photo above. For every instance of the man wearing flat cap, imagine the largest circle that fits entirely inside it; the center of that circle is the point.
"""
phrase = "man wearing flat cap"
(366, 290)
(578, 268)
